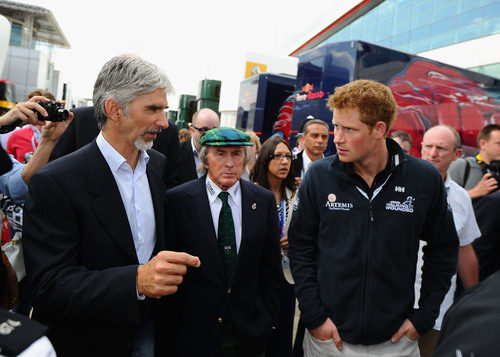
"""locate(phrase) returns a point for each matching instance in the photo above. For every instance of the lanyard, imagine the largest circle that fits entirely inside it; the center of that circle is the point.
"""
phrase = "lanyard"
(282, 213)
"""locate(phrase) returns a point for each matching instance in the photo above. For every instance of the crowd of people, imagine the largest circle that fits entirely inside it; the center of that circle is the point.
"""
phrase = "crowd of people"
(140, 239)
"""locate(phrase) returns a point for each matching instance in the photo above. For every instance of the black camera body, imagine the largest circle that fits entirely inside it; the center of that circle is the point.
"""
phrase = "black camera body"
(55, 110)
(494, 169)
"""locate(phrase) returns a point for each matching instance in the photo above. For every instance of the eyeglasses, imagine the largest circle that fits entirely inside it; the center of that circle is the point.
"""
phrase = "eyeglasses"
(201, 130)
(280, 157)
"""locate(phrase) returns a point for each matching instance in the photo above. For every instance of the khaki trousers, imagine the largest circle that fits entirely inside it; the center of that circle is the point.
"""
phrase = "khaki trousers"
(316, 348)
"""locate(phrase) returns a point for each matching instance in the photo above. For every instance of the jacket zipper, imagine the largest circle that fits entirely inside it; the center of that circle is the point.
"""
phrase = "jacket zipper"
(364, 318)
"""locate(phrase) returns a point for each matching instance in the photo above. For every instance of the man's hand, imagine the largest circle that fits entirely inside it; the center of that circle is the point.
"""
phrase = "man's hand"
(327, 331)
(52, 130)
(161, 275)
(485, 186)
(407, 329)
(298, 181)
(24, 112)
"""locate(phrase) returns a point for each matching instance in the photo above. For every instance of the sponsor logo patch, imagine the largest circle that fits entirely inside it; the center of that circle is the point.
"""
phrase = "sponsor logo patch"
(332, 205)
(406, 206)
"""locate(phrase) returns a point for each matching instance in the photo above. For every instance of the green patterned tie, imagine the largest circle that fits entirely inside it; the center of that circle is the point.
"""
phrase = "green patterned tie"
(226, 235)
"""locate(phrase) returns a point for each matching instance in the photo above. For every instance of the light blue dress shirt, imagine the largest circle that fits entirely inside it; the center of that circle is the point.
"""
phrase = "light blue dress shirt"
(136, 196)
(12, 183)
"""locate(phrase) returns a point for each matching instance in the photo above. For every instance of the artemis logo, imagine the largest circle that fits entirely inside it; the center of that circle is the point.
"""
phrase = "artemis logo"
(339, 206)
(399, 189)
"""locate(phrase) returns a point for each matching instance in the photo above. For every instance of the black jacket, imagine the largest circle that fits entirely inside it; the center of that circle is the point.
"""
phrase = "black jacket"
(206, 297)
(354, 259)
(298, 164)
(81, 263)
(187, 168)
(471, 327)
(487, 247)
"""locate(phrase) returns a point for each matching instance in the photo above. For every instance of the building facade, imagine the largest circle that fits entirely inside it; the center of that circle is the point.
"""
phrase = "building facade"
(29, 62)
(462, 33)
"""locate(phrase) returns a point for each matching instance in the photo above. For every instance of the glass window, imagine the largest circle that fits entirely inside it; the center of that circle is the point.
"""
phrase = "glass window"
(401, 39)
(422, 6)
(384, 28)
(469, 18)
(491, 27)
(420, 33)
(403, 48)
(411, 25)
(15, 35)
(492, 10)
(402, 14)
(403, 4)
(420, 46)
(443, 39)
(420, 21)
(386, 42)
(401, 27)
(468, 33)
(356, 32)
(443, 26)
(383, 33)
(386, 9)
(466, 5)
(490, 70)
(445, 11)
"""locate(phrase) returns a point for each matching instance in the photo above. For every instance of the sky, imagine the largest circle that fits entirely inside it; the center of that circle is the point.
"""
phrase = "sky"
(190, 40)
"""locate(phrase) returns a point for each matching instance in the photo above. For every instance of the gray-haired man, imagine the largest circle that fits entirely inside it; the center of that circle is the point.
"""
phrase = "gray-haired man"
(94, 231)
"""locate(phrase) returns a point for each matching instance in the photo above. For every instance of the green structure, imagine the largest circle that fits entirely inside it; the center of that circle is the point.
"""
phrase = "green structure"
(172, 116)
(187, 107)
(209, 95)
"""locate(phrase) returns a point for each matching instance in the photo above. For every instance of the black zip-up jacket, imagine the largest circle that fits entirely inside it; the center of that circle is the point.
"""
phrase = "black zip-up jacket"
(353, 249)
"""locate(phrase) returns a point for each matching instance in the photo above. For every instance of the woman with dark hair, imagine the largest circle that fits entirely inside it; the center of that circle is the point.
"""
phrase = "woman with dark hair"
(272, 171)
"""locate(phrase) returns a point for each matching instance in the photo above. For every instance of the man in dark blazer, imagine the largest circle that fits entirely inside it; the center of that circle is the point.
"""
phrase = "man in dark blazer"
(93, 224)
(315, 141)
(84, 130)
(229, 305)
(203, 120)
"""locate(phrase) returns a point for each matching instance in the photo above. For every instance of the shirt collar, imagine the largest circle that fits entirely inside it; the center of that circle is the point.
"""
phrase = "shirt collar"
(447, 182)
(115, 160)
(306, 160)
(213, 191)
(195, 152)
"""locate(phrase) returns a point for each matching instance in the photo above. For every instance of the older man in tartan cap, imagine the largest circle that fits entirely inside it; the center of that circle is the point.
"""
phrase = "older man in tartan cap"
(229, 306)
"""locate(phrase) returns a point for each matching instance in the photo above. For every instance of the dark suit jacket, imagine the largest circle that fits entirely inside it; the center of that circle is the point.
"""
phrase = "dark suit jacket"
(79, 252)
(187, 171)
(298, 164)
(83, 130)
(206, 298)
(487, 247)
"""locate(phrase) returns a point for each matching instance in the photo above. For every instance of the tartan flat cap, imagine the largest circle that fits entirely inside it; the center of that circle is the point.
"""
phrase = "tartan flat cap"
(224, 136)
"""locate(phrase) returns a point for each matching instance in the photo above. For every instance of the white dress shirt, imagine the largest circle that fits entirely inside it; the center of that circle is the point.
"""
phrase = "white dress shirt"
(196, 159)
(467, 231)
(306, 162)
(234, 202)
(136, 196)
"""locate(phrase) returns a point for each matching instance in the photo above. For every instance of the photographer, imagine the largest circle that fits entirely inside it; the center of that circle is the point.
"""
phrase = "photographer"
(480, 175)
(14, 183)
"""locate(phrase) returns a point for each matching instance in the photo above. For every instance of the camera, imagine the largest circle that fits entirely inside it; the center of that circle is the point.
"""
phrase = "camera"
(494, 169)
(55, 110)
